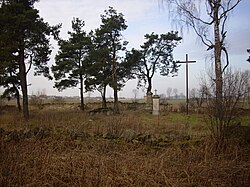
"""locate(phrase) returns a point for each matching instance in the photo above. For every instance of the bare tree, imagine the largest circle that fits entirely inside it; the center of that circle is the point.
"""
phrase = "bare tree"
(235, 88)
(247, 95)
(135, 92)
(198, 96)
(203, 17)
(189, 13)
(169, 92)
(175, 90)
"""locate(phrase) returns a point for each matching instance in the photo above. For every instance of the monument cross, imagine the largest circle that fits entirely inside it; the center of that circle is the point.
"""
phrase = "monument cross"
(155, 92)
(186, 62)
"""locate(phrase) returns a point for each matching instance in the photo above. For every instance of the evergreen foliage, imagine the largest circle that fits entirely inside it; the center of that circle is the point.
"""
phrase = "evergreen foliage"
(109, 46)
(108, 67)
(24, 42)
(71, 59)
(155, 54)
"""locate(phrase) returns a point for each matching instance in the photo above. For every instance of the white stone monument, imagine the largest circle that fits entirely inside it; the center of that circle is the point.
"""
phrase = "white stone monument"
(156, 105)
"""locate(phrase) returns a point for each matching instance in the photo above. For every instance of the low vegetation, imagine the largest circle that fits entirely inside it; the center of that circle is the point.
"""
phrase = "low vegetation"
(63, 146)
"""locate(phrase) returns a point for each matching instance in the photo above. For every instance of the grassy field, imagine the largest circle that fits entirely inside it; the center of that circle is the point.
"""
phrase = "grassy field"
(62, 146)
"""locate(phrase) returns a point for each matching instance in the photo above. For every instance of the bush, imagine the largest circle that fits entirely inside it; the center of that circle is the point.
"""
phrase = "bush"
(225, 112)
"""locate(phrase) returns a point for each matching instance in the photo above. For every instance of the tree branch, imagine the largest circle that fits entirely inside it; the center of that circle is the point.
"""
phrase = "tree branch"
(202, 37)
(31, 57)
(187, 12)
(227, 59)
(229, 8)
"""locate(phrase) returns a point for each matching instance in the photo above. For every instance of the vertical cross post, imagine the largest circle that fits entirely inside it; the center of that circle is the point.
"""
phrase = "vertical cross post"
(186, 62)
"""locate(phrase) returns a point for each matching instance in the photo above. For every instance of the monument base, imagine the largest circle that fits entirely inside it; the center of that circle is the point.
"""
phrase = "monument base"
(149, 102)
(156, 105)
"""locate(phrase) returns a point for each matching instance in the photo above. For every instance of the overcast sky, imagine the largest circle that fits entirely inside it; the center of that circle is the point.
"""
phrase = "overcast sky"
(145, 16)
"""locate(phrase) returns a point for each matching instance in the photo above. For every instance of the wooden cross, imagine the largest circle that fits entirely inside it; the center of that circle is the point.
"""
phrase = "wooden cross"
(155, 92)
(186, 62)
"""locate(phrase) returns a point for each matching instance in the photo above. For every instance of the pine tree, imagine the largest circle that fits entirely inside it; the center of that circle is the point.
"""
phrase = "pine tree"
(26, 36)
(112, 26)
(72, 59)
(155, 54)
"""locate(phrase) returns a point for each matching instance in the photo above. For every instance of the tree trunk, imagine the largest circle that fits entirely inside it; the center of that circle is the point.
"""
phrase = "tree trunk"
(218, 73)
(116, 102)
(17, 95)
(81, 93)
(149, 89)
(23, 82)
(114, 77)
(104, 102)
(18, 100)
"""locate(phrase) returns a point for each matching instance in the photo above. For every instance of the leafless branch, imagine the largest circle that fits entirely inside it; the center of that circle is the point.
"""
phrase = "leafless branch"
(203, 37)
(188, 10)
(30, 63)
(227, 59)
(228, 9)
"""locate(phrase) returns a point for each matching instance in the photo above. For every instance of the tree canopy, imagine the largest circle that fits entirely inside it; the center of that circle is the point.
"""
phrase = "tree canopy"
(112, 25)
(155, 54)
(99, 70)
(71, 59)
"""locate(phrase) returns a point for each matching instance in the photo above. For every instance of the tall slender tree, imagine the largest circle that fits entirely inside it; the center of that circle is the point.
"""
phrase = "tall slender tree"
(71, 60)
(204, 17)
(27, 37)
(111, 28)
(99, 70)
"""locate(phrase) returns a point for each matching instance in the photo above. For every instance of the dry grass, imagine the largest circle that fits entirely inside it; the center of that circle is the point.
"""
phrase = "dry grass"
(108, 163)
(60, 160)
